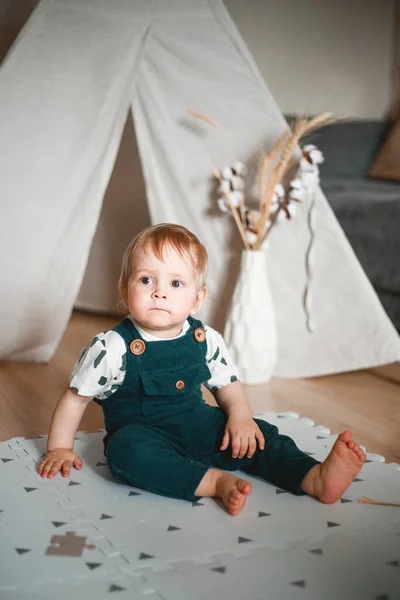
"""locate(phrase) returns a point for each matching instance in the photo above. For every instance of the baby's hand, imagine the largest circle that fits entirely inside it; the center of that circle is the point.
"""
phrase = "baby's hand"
(243, 435)
(59, 459)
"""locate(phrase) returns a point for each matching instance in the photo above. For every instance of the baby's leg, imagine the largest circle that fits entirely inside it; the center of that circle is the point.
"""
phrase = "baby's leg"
(331, 478)
(281, 462)
(284, 465)
(144, 457)
(232, 490)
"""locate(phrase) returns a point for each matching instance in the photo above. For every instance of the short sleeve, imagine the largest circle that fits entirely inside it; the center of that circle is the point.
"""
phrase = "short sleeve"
(101, 366)
(223, 371)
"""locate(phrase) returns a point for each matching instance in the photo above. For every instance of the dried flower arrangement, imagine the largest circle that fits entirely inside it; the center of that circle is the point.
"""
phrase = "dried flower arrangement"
(277, 201)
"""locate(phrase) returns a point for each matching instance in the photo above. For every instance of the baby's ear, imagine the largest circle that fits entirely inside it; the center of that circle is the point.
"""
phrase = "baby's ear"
(123, 293)
(200, 299)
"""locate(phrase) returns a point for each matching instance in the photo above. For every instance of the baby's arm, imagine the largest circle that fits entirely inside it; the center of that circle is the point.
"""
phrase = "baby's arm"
(64, 424)
(241, 429)
(233, 399)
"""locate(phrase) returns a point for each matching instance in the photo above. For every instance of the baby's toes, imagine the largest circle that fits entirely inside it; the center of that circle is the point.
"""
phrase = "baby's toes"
(236, 495)
(234, 501)
(244, 486)
(351, 445)
(359, 453)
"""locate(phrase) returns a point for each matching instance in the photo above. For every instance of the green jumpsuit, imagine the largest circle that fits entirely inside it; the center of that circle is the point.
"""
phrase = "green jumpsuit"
(162, 436)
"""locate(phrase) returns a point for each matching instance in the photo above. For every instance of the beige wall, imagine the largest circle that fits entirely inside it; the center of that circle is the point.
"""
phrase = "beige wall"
(13, 15)
(318, 55)
(397, 35)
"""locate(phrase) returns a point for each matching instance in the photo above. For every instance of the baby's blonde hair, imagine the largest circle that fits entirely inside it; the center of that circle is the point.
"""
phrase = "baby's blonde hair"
(157, 237)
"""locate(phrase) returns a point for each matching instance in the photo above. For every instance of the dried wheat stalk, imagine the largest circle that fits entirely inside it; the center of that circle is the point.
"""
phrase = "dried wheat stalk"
(233, 210)
(240, 221)
(266, 168)
(365, 500)
(205, 118)
(271, 172)
(302, 127)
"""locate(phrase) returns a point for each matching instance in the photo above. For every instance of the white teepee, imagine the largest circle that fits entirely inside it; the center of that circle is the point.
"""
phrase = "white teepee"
(66, 88)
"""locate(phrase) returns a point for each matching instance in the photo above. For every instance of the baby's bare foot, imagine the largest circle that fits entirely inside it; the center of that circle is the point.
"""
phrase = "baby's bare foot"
(331, 478)
(233, 492)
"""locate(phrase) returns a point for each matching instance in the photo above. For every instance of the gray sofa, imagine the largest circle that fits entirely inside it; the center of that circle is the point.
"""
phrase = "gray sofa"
(367, 209)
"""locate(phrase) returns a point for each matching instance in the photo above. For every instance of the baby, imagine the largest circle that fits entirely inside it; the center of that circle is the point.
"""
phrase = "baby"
(147, 372)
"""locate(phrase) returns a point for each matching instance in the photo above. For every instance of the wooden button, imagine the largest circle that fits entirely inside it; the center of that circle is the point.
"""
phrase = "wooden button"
(199, 334)
(137, 347)
(180, 385)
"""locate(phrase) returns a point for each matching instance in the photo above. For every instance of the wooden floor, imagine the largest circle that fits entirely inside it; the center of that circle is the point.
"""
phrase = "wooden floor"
(364, 402)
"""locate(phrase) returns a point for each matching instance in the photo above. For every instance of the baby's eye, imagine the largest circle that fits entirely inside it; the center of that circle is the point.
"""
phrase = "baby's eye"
(176, 283)
(146, 280)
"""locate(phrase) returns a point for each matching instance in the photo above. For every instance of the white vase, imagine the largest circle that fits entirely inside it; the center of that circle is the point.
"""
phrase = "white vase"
(250, 330)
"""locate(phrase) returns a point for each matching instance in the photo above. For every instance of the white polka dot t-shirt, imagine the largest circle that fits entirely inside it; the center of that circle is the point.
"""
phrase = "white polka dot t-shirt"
(101, 366)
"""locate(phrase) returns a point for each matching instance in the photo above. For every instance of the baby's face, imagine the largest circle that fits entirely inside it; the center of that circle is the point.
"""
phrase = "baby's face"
(163, 293)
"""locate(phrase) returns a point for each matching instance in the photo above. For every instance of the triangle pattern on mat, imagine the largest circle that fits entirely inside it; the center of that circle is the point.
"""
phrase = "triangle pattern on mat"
(219, 569)
(116, 588)
(393, 563)
(301, 583)
(93, 565)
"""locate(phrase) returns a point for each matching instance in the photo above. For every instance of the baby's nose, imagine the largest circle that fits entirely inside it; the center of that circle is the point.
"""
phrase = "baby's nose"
(160, 294)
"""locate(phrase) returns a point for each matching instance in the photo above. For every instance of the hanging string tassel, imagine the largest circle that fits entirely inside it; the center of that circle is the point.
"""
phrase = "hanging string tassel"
(307, 296)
